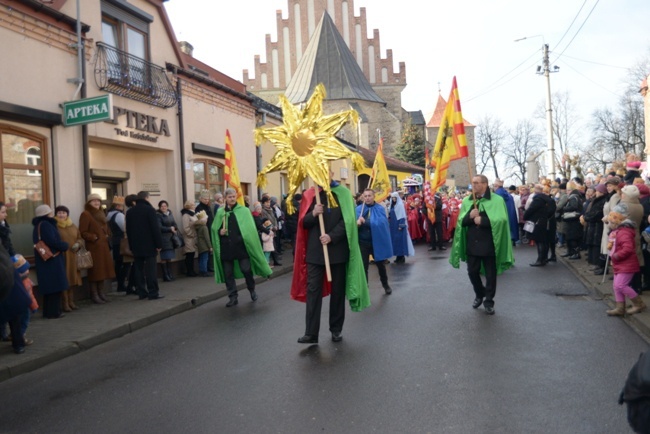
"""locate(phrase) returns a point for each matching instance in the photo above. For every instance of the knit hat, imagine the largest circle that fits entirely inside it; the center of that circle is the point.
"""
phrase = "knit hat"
(633, 165)
(63, 208)
(93, 196)
(42, 210)
(644, 190)
(601, 188)
(631, 191)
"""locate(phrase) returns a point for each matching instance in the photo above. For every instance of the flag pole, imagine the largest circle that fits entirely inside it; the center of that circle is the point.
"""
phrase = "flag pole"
(469, 170)
(321, 223)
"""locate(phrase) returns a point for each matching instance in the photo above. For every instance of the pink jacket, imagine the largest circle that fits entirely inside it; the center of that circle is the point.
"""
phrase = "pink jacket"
(623, 254)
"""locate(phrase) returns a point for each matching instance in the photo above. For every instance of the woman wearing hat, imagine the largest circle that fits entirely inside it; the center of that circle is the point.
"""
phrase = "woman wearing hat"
(52, 280)
(94, 229)
(188, 221)
(69, 233)
(613, 198)
(168, 227)
(593, 223)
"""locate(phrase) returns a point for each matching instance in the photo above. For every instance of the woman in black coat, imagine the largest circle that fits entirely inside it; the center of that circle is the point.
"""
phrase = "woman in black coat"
(168, 228)
(572, 226)
(593, 224)
(52, 279)
(538, 213)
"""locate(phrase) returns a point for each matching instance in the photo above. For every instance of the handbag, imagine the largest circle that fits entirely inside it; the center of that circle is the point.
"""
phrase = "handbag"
(177, 240)
(84, 258)
(529, 226)
(125, 250)
(43, 249)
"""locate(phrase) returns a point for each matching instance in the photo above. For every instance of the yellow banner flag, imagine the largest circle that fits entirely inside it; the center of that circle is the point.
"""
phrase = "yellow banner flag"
(231, 173)
(380, 182)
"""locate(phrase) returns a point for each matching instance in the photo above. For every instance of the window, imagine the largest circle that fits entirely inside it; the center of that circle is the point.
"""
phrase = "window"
(127, 68)
(208, 175)
(23, 186)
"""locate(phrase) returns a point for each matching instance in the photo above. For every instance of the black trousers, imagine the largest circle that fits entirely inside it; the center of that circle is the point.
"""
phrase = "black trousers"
(435, 235)
(52, 305)
(17, 337)
(315, 278)
(542, 251)
(366, 251)
(146, 279)
(488, 290)
(229, 276)
(121, 268)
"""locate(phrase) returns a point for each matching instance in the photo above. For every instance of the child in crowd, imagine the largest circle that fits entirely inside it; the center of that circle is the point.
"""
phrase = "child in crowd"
(204, 246)
(267, 236)
(622, 252)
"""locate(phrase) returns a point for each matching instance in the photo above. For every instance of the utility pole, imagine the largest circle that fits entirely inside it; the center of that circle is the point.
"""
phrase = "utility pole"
(549, 112)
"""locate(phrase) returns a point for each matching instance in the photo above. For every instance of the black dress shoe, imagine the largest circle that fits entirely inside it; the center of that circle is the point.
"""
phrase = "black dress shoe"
(477, 303)
(538, 264)
(156, 297)
(576, 256)
(336, 337)
(232, 302)
(489, 310)
(387, 289)
(253, 295)
(599, 271)
(308, 339)
(19, 350)
(431, 249)
(552, 259)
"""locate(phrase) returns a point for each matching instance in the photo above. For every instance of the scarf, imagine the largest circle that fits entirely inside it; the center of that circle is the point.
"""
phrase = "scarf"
(64, 223)
(98, 214)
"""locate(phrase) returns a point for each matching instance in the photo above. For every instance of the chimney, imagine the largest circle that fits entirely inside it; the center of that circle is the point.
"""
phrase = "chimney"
(186, 48)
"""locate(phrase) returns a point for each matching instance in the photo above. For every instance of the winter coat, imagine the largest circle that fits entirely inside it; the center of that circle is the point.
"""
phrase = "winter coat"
(270, 214)
(188, 221)
(538, 212)
(572, 228)
(635, 214)
(203, 243)
(6, 274)
(561, 202)
(612, 201)
(623, 253)
(267, 242)
(209, 212)
(71, 235)
(5, 238)
(143, 230)
(523, 199)
(94, 230)
(166, 222)
(593, 217)
(51, 273)
(16, 301)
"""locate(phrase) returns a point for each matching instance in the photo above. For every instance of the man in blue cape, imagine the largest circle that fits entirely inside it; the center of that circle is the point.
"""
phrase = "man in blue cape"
(374, 236)
(513, 219)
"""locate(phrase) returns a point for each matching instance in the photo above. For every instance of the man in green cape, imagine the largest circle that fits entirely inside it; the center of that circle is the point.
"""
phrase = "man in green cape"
(309, 284)
(237, 248)
(482, 239)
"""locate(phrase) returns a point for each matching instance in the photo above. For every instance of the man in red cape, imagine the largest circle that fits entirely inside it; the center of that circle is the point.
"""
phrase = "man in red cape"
(309, 278)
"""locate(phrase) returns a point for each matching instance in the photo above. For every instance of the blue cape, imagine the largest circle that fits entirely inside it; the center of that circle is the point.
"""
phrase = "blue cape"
(382, 247)
(513, 218)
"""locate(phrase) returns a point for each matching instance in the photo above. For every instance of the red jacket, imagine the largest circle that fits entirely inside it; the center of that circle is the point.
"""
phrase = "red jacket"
(624, 259)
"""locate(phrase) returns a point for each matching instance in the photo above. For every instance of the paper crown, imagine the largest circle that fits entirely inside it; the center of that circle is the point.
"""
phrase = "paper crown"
(118, 200)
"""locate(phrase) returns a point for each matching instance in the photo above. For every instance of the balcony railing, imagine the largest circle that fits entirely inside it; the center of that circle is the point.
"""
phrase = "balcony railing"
(123, 74)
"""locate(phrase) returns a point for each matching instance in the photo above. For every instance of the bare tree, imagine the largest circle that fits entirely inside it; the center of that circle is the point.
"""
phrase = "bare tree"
(489, 142)
(522, 141)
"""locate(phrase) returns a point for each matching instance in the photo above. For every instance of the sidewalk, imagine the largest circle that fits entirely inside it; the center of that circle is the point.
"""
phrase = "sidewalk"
(93, 325)
(603, 291)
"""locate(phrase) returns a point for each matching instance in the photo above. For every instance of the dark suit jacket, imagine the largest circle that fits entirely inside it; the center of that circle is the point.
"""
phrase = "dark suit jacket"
(479, 238)
(143, 229)
(338, 249)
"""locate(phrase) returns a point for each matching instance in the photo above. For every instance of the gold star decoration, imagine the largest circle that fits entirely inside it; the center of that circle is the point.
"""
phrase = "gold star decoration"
(306, 142)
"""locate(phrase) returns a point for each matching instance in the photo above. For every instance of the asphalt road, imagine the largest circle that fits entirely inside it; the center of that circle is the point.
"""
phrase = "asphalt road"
(419, 360)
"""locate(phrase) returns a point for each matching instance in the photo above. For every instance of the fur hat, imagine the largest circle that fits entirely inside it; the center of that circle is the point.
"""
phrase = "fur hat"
(93, 196)
(42, 210)
(631, 191)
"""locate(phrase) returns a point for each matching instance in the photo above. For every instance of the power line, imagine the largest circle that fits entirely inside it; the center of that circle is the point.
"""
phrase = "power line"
(571, 25)
(495, 84)
(594, 82)
(596, 63)
(577, 32)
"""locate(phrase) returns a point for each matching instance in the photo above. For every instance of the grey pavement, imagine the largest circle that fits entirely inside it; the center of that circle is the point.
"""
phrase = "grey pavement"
(93, 325)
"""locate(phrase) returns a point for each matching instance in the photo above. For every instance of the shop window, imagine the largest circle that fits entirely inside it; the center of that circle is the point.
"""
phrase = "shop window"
(23, 183)
(208, 175)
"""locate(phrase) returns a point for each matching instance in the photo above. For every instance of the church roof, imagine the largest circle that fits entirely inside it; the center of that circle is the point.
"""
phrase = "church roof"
(439, 111)
(328, 60)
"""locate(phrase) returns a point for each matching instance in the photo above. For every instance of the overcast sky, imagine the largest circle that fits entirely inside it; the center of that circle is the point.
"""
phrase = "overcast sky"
(472, 39)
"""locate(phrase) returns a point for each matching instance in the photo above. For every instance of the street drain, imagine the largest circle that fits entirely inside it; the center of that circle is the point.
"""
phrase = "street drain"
(573, 297)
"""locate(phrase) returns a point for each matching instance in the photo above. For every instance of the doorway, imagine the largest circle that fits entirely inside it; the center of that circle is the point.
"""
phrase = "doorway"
(106, 190)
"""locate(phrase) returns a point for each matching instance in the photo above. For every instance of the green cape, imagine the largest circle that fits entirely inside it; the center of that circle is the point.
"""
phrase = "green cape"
(259, 264)
(498, 215)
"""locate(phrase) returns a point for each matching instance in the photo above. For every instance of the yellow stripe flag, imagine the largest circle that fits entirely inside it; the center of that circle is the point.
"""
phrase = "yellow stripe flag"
(231, 173)
(380, 181)
(451, 143)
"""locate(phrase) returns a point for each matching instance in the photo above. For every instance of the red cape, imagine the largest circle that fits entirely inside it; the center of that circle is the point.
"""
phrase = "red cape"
(299, 282)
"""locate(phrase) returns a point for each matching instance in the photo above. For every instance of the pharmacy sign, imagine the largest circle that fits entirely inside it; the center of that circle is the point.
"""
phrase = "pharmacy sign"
(85, 111)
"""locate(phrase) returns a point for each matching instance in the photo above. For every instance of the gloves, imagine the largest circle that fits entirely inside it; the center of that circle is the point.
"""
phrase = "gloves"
(75, 247)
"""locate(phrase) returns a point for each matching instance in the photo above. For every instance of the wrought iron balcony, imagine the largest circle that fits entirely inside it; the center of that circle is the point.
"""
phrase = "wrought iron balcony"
(123, 74)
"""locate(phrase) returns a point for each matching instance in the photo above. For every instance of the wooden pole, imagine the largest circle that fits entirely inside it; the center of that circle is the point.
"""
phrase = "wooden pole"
(469, 170)
(321, 222)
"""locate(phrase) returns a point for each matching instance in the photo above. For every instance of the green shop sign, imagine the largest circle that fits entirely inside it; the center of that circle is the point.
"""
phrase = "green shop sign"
(85, 111)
